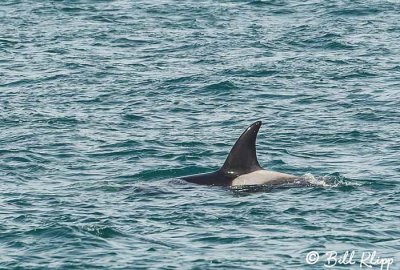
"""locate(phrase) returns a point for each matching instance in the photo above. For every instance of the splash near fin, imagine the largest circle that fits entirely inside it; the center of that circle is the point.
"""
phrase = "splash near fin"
(243, 158)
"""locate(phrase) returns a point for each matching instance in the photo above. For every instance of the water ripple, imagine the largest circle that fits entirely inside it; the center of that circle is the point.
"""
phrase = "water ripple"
(104, 105)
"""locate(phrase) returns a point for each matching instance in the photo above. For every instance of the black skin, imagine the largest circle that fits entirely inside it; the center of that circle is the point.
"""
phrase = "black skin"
(242, 159)
(218, 178)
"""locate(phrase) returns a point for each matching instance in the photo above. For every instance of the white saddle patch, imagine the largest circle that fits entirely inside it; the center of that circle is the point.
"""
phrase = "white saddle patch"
(261, 177)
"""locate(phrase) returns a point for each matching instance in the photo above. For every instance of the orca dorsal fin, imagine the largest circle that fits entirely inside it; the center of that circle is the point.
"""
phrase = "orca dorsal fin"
(243, 158)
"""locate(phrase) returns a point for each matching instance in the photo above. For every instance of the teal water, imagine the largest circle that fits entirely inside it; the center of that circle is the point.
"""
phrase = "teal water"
(105, 104)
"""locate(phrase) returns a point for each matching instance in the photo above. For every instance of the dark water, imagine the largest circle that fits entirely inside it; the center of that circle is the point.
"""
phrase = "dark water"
(104, 104)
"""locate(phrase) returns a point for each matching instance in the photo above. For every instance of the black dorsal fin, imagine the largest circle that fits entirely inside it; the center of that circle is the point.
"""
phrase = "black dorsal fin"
(243, 158)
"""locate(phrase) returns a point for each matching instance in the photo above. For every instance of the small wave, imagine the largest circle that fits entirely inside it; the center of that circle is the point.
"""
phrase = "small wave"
(101, 231)
(72, 10)
(316, 181)
(8, 42)
(266, 3)
(133, 117)
(220, 86)
(328, 181)
(353, 12)
(63, 121)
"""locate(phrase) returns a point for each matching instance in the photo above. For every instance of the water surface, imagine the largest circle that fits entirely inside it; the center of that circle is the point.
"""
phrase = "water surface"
(104, 104)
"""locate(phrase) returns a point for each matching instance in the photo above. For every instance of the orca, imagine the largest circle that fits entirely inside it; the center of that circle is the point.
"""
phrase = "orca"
(241, 167)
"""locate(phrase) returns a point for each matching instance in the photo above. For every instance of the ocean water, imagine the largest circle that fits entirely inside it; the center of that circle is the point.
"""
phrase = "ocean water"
(105, 104)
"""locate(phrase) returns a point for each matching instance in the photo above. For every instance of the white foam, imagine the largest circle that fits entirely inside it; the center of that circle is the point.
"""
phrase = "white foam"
(327, 181)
